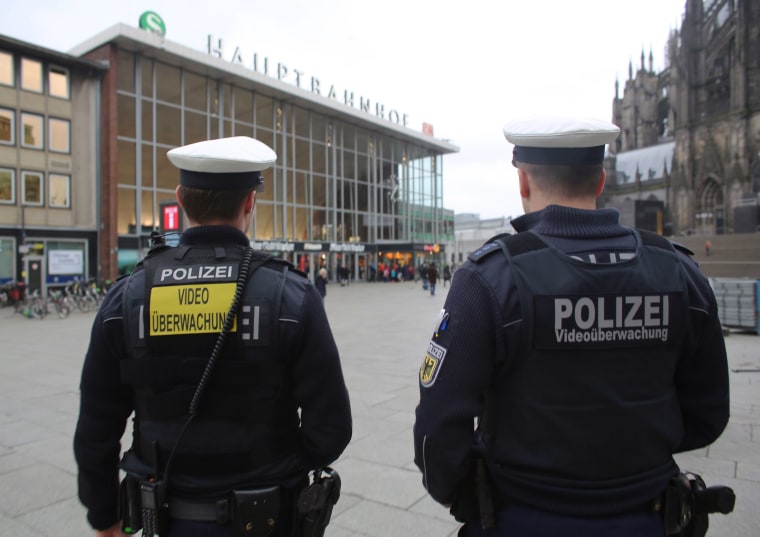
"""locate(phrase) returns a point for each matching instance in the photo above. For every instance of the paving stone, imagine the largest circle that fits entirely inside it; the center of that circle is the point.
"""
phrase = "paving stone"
(380, 483)
(34, 487)
(375, 519)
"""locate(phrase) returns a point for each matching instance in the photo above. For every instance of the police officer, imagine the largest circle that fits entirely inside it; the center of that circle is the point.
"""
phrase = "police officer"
(226, 427)
(586, 354)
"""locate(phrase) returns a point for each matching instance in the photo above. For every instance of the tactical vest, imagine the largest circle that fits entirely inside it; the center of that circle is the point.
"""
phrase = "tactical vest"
(586, 400)
(174, 309)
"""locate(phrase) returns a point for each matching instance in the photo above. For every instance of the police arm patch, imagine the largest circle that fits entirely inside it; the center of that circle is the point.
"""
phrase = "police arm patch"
(432, 364)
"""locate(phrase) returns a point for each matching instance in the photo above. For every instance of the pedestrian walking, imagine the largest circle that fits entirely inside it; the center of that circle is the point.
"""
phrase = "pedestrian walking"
(432, 276)
(446, 274)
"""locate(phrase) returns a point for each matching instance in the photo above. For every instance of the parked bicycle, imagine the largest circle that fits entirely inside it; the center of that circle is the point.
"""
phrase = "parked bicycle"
(31, 305)
(11, 293)
(61, 303)
(82, 295)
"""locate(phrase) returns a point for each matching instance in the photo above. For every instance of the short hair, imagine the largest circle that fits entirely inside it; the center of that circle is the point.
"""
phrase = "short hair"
(203, 205)
(567, 180)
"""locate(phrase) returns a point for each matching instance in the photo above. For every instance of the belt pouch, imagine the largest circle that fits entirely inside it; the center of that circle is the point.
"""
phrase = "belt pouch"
(677, 505)
(256, 511)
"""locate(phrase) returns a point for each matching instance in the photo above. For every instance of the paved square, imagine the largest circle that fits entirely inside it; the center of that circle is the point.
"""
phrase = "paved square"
(382, 330)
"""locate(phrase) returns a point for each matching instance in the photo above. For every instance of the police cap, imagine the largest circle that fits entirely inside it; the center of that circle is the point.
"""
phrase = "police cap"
(559, 140)
(232, 163)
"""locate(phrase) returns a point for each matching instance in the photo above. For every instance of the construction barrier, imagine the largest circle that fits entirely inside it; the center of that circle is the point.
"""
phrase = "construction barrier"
(738, 302)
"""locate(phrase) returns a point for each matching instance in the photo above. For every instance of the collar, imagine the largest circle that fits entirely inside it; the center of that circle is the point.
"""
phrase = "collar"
(204, 235)
(561, 221)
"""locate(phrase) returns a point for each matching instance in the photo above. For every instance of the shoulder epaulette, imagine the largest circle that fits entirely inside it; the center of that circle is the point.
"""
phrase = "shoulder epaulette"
(154, 251)
(490, 246)
(682, 248)
(281, 262)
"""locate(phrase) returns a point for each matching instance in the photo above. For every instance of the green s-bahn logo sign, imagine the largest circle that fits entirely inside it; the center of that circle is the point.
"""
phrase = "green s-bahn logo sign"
(152, 22)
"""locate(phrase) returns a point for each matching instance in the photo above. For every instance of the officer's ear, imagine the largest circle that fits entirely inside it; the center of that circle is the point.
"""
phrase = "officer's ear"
(250, 202)
(178, 196)
(600, 186)
(522, 176)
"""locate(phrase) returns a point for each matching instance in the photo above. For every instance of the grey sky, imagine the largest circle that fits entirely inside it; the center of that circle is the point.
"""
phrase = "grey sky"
(465, 67)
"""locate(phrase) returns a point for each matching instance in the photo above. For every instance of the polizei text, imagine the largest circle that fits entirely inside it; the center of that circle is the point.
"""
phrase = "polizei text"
(611, 318)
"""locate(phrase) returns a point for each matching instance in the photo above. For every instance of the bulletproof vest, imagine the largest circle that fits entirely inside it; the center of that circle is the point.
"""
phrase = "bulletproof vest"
(175, 305)
(587, 392)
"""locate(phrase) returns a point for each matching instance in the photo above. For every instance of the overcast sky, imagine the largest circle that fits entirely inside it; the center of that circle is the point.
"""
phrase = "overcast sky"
(465, 66)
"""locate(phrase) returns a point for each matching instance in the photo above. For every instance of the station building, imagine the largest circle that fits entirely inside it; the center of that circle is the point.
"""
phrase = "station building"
(354, 184)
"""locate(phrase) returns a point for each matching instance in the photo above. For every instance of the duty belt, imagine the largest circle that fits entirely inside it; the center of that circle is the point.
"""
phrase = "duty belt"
(208, 511)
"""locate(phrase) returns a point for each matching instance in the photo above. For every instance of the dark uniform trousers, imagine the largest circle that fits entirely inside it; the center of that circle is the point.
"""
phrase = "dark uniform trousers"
(520, 521)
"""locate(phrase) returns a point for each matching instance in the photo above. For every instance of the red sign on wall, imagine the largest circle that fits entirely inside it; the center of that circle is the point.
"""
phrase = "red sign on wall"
(170, 218)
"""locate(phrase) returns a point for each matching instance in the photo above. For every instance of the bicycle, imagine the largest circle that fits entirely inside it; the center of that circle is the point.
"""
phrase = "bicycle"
(31, 305)
(60, 302)
(81, 296)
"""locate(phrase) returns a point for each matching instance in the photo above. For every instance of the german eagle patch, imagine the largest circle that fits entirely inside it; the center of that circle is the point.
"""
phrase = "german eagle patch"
(432, 364)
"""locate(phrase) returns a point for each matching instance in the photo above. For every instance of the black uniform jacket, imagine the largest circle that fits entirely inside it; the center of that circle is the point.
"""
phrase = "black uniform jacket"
(312, 362)
(476, 343)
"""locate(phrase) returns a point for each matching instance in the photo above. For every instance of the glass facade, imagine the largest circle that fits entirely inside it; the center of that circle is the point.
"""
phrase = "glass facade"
(334, 181)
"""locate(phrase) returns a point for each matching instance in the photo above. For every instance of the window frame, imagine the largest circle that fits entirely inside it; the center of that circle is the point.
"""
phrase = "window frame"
(24, 175)
(51, 146)
(22, 138)
(13, 127)
(51, 177)
(11, 201)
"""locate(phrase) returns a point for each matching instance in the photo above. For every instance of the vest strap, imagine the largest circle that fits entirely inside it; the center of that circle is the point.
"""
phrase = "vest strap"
(649, 238)
(522, 243)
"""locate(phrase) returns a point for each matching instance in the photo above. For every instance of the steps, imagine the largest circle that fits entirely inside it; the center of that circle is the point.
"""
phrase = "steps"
(731, 256)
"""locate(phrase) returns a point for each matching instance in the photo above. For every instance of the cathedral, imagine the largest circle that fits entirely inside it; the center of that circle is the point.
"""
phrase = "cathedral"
(688, 157)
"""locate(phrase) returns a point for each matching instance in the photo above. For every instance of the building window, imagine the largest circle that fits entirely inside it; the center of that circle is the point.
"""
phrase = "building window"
(7, 186)
(7, 126)
(59, 130)
(58, 82)
(6, 69)
(7, 260)
(31, 75)
(31, 188)
(31, 135)
(67, 260)
(60, 190)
